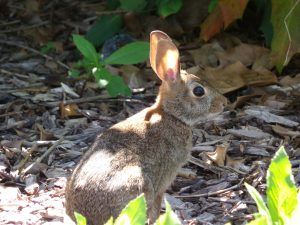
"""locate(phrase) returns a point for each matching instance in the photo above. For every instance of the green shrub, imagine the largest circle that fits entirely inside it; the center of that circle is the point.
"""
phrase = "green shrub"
(135, 214)
(283, 196)
(131, 53)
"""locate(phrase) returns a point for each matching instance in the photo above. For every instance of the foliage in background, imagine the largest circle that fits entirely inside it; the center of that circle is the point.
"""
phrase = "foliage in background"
(108, 25)
(135, 213)
(286, 40)
(223, 13)
(131, 53)
(283, 197)
(280, 24)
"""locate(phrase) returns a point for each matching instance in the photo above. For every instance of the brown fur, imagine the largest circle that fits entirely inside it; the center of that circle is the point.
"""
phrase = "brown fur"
(142, 153)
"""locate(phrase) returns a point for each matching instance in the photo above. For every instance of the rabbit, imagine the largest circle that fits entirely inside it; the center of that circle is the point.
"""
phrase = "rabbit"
(143, 153)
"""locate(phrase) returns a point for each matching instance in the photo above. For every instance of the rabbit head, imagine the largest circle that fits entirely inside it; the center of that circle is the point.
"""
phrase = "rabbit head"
(183, 95)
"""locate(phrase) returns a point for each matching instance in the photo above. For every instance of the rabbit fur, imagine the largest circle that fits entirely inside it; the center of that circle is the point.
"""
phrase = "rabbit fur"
(143, 153)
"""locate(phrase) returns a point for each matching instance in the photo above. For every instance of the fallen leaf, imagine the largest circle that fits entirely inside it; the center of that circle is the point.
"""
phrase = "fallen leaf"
(218, 156)
(247, 54)
(283, 131)
(207, 55)
(288, 81)
(68, 110)
(236, 76)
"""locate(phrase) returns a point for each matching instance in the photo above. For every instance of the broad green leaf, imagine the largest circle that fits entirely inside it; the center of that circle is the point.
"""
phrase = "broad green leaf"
(212, 5)
(168, 7)
(133, 5)
(286, 41)
(110, 221)
(102, 76)
(261, 206)
(296, 214)
(131, 53)
(116, 86)
(169, 218)
(80, 219)
(266, 25)
(104, 28)
(86, 49)
(224, 13)
(281, 189)
(134, 213)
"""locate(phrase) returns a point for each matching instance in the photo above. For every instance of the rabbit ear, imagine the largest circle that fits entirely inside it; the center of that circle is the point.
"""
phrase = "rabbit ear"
(155, 37)
(164, 56)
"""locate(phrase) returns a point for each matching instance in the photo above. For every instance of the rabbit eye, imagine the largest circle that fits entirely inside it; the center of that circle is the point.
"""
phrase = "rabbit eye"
(199, 91)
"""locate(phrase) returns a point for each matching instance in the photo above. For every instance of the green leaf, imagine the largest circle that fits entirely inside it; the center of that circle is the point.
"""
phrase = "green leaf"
(113, 83)
(134, 213)
(74, 73)
(116, 86)
(133, 5)
(169, 218)
(281, 189)
(104, 28)
(261, 206)
(168, 7)
(131, 53)
(86, 49)
(102, 76)
(286, 41)
(266, 25)
(212, 5)
(80, 219)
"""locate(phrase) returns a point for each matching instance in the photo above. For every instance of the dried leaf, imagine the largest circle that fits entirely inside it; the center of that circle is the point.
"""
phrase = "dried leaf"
(283, 131)
(218, 156)
(68, 110)
(247, 54)
(236, 76)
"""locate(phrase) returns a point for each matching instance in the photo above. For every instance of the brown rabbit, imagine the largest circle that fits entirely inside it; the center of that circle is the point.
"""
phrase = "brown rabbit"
(143, 153)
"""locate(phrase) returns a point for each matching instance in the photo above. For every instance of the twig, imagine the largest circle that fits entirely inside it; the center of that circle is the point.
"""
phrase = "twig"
(211, 193)
(92, 99)
(34, 51)
(9, 23)
(230, 201)
(24, 27)
(21, 165)
(40, 159)
(13, 73)
(203, 165)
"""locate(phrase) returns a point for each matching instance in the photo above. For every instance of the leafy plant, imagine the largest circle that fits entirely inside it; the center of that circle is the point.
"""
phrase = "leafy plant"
(283, 198)
(135, 214)
(131, 53)
(279, 24)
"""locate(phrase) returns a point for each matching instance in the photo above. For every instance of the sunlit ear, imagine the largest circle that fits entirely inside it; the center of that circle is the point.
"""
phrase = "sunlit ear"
(167, 60)
(156, 36)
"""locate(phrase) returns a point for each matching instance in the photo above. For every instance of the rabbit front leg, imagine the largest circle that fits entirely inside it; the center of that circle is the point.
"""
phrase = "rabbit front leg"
(154, 208)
